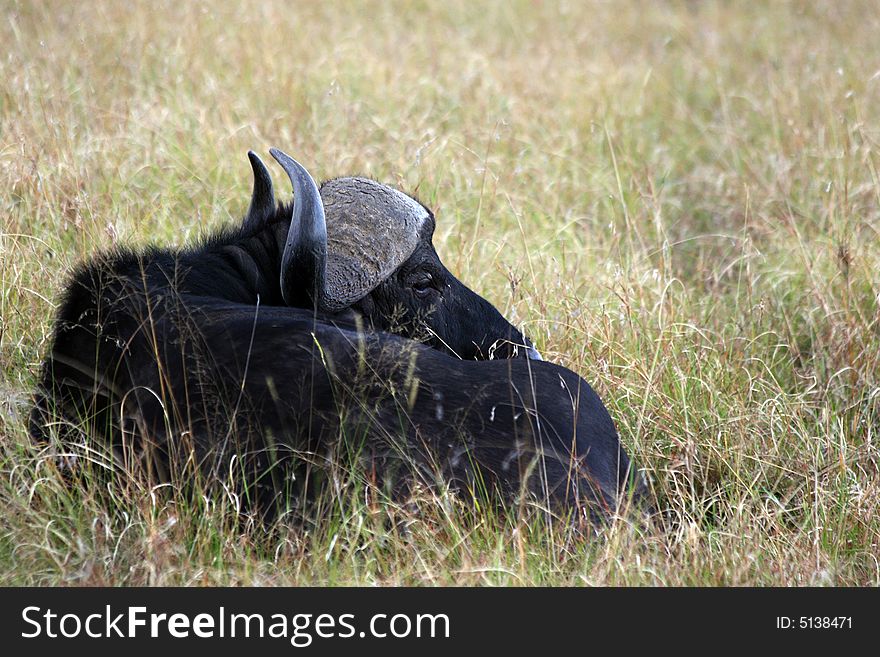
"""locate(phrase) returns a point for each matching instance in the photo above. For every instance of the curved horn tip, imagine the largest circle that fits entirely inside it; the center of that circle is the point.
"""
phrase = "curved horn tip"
(304, 187)
(261, 172)
(263, 195)
(255, 159)
(285, 160)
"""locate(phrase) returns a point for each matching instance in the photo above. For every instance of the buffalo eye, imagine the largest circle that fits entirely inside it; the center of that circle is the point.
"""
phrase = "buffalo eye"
(423, 285)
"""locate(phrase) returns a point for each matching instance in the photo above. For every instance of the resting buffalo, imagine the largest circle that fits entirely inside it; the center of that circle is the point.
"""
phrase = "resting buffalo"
(316, 330)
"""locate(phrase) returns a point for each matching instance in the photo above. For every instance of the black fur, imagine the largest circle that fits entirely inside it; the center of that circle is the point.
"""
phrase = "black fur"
(190, 357)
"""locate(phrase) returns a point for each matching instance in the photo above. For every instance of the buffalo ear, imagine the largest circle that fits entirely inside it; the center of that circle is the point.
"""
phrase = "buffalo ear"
(263, 197)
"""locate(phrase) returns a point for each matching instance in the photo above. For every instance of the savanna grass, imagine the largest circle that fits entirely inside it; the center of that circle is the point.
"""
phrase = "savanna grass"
(679, 201)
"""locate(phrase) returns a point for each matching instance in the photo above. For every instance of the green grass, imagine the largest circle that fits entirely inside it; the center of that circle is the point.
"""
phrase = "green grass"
(679, 201)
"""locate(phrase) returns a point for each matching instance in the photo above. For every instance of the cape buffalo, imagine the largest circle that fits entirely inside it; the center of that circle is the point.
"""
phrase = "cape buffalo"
(316, 328)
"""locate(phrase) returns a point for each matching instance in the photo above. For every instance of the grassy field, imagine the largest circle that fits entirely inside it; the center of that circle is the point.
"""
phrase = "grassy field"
(679, 201)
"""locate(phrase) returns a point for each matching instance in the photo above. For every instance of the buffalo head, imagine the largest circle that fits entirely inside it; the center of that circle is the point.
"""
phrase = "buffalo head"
(358, 245)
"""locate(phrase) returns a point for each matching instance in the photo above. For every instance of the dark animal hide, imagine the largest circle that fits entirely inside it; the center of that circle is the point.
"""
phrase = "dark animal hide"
(192, 361)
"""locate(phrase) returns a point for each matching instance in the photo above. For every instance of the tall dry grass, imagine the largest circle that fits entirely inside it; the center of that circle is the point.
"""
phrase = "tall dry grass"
(679, 201)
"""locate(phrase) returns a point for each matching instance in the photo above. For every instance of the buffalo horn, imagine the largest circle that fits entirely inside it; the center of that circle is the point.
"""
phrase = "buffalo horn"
(263, 197)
